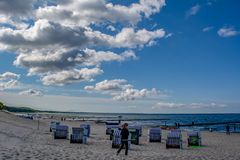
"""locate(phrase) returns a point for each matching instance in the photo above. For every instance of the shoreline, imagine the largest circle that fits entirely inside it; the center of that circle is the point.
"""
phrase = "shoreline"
(20, 139)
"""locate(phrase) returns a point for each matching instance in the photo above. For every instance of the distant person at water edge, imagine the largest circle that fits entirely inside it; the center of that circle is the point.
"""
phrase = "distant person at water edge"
(228, 129)
(124, 139)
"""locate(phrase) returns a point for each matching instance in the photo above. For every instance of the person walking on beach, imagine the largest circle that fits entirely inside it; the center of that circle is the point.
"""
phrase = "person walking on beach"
(228, 129)
(124, 139)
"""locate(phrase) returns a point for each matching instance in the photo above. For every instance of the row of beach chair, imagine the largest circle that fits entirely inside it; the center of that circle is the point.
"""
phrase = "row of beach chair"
(174, 137)
(78, 134)
(81, 133)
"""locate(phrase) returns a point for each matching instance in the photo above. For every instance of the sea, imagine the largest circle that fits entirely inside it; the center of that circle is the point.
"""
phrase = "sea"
(213, 122)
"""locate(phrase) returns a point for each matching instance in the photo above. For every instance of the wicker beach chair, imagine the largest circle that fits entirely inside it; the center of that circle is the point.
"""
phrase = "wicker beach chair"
(174, 139)
(88, 129)
(53, 126)
(134, 136)
(194, 138)
(61, 132)
(78, 135)
(155, 134)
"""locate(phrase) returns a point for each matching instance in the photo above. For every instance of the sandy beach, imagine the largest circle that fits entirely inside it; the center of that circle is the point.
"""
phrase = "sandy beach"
(20, 139)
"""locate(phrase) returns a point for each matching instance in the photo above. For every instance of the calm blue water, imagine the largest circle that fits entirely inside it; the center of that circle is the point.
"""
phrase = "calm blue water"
(168, 119)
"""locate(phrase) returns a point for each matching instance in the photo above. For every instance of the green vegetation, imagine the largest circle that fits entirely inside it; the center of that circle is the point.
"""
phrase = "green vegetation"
(2, 106)
(17, 109)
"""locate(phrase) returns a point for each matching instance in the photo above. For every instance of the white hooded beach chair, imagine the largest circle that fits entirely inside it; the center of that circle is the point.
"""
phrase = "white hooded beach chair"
(61, 132)
(155, 134)
(79, 135)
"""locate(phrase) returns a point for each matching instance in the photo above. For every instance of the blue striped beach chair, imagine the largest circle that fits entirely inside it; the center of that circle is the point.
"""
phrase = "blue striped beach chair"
(155, 134)
(194, 138)
(174, 139)
(116, 140)
(61, 132)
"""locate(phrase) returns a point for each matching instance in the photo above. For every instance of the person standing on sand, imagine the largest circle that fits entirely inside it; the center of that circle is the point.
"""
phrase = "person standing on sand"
(124, 139)
(228, 129)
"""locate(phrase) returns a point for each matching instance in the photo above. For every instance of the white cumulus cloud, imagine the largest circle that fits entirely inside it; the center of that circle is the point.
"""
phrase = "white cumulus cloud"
(172, 105)
(227, 32)
(61, 41)
(8, 80)
(193, 10)
(121, 90)
(70, 76)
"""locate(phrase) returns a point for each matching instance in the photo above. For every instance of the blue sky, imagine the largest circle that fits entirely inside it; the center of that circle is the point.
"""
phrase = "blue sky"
(161, 57)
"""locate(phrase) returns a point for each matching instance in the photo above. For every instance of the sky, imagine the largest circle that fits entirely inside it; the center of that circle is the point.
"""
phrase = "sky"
(132, 56)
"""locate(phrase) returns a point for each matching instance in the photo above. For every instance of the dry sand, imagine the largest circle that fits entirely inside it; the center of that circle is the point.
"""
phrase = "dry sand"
(20, 139)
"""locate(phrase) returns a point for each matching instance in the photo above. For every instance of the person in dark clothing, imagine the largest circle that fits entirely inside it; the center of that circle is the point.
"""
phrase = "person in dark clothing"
(124, 139)
(228, 129)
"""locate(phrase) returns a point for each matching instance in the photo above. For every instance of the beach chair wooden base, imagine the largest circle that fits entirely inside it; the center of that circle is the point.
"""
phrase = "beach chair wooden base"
(194, 141)
(60, 135)
(155, 140)
(135, 141)
(75, 139)
(173, 146)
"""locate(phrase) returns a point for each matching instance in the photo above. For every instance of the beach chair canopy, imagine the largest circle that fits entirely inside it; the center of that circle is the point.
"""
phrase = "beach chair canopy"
(193, 133)
(113, 126)
(85, 126)
(138, 127)
(174, 135)
(62, 127)
(77, 130)
(155, 131)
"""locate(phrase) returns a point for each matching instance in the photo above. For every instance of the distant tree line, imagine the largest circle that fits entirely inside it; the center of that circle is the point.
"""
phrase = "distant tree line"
(16, 109)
